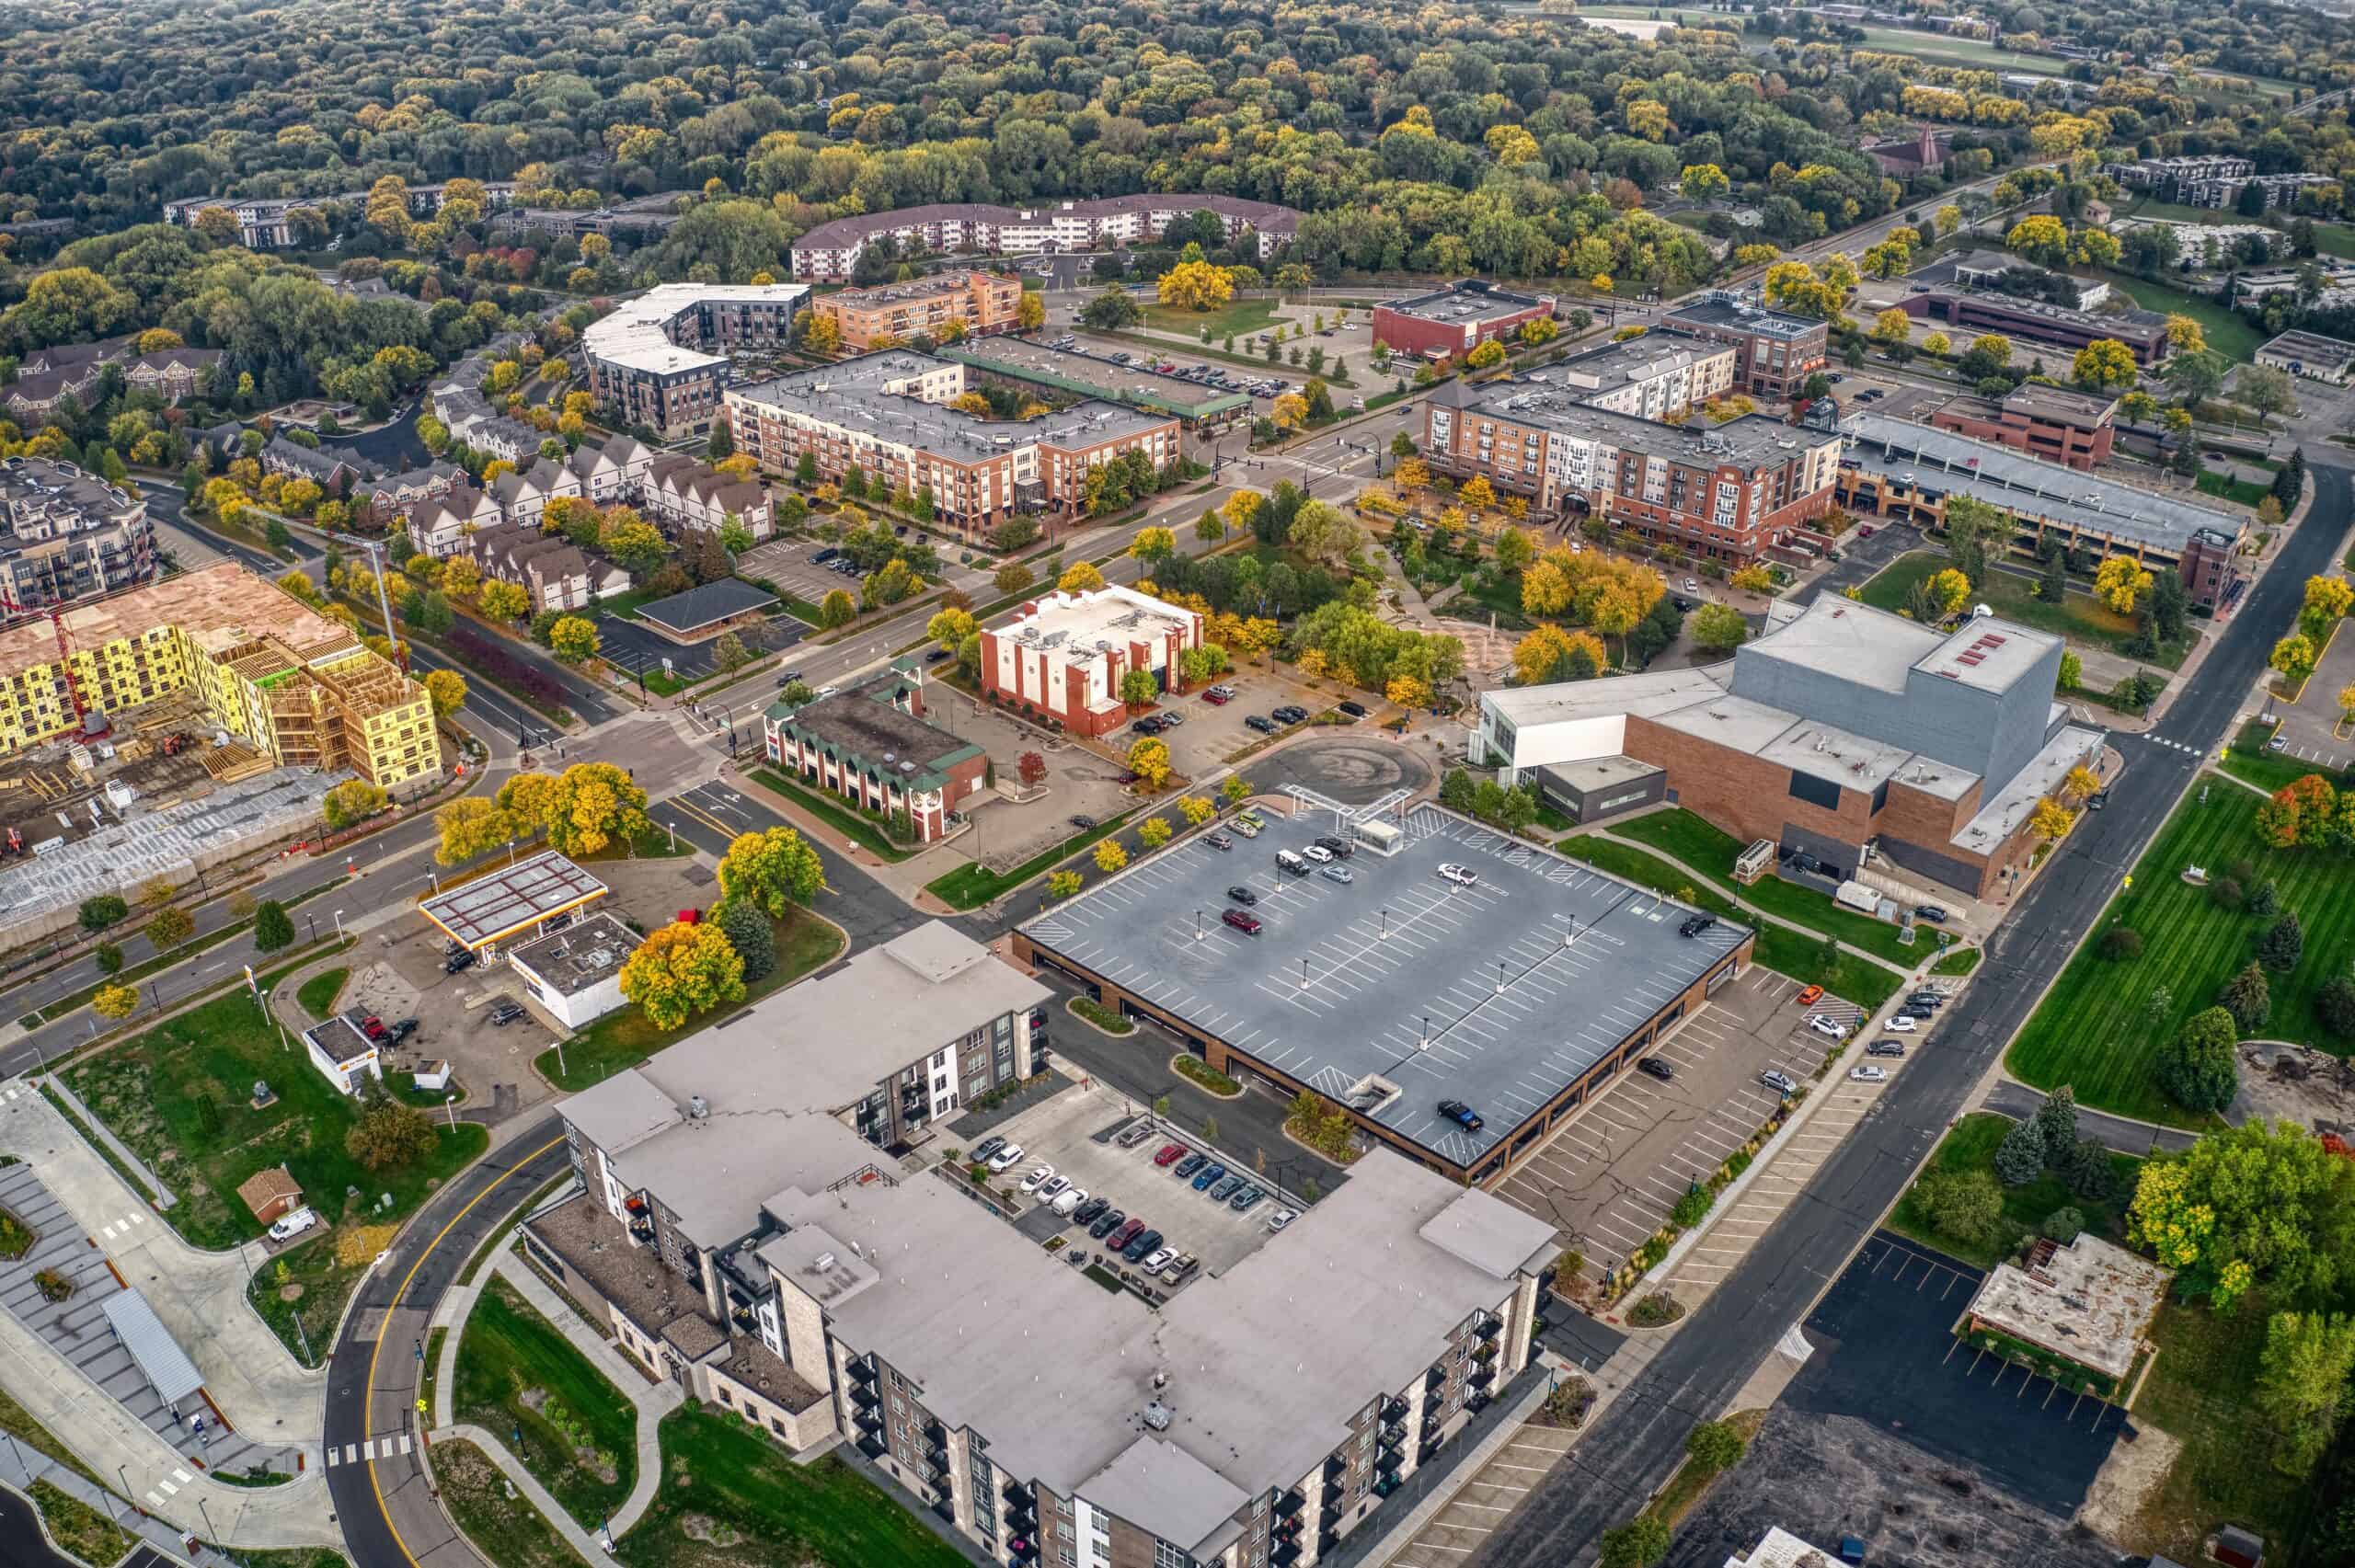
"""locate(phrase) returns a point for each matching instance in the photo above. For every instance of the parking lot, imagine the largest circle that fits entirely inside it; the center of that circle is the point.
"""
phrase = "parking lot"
(1061, 1133)
(1609, 1177)
(629, 644)
(1212, 732)
(2311, 730)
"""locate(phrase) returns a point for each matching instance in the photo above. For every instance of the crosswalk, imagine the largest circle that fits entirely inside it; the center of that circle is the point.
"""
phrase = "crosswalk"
(384, 1447)
(168, 1488)
(124, 1227)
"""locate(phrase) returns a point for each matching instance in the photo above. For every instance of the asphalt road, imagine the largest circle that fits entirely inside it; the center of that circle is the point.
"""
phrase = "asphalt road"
(1637, 1441)
(2019, 1102)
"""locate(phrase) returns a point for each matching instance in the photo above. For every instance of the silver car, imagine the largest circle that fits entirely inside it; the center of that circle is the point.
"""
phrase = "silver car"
(1338, 874)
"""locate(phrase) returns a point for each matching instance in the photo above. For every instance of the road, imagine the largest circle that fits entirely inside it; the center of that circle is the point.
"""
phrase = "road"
(1638, 1441)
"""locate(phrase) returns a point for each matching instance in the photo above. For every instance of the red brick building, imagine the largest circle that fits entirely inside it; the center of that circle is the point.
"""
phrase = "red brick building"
(1063, 658)
(1451, 322)
(1778, 352)
(2073, 428)
(873, 746)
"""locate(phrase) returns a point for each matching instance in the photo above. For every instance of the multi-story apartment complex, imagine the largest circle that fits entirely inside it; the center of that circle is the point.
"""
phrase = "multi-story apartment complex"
(1062, 657)
(874, 747)
(1651, 377)
(982, 303)
(2075, 428)
(46, 377)
(266, 222)
(829, 252)
(557, 574)
(742, 1236)
(1451, 322)
(2167, 174)
(2279, 190)
(887, 414)
(287, 682)
(636, 218)
(68, 535)
(1778, 352)
(694, 496)
(330, 469)
(2213, 245)
(661, 359)
(1975, 312)
(1725, 492)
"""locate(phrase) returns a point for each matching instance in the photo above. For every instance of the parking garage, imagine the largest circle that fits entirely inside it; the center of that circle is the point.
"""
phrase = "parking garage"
(1516, 993)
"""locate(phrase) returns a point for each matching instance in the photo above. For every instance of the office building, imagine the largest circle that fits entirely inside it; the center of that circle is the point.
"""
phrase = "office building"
(637, 218)
(887, 414)
(1721, 492)
(1844, 730)
(283, 681)
(661, 359)
(2007, 274)
(1970, 312)
(873, 746)
(2089, 1304)
(1063, 657)
(1778, 352)
(2310, 355)
(1451, 322)
(2077, 430)
(68, 535)
(893, 314)
(830, 252)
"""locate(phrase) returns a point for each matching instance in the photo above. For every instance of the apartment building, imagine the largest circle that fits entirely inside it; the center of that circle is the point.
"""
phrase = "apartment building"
(556, 573)
(830, 252)
(982, 303)
(638, 218)
(284, 681)
(888, 415)
(1064, 656)
(2279, 190)
(267, 223)
(396, 495)
(330, 469)
(1970, 312)
(68, 535)
(661, 359)
(873, 746)
(1778, 352)
(1725, 492)
(1650, 377)
(741, 1236)
(694, 498)
(2167, 174)
(47, 377)
(1451, 322)
(2077, 430)
(438, 525)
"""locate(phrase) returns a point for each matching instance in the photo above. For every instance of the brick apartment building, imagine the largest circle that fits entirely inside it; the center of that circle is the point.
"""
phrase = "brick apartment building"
(873, 746)
(67, 534)
(1064, 657)
(1726, 492)
(1451, 322)
(888, 415)
(830, 252)
(982, 303)
(2073, 428)
(1650, 377)
(661, 359)
(1778, 352)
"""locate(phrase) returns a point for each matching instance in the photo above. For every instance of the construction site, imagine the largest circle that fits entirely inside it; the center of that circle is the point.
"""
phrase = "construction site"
(182, 726)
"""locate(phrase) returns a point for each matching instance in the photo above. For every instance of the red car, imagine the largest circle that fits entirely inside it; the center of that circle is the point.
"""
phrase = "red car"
(1128, 1231)
(1242, 921)
(1215, 700)
(373, 1027)
(1170, 1154)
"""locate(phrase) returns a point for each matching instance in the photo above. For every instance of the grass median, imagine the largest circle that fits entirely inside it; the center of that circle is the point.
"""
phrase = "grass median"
(518, 1373)
(972, 885)
(1698, 843)
(833, 813)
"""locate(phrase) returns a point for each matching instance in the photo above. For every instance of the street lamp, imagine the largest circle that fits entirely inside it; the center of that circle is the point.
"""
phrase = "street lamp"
(338, 925)
(675, 836)
(450, 1103)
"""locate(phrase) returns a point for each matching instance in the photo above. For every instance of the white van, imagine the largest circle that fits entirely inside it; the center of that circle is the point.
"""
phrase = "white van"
(289, 1226)
(1289, 862)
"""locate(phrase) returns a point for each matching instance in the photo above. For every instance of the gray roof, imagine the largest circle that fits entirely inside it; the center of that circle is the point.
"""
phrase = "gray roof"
(1880, 443)
(863, 729)
(1466, 303)
(1854, 641)
(1720, 309)
(1754, 440)
(161, 1360)
(854, 394)
(513, 896)
(585, 954)
(843, 233)
(1018, 359)
(705, 603)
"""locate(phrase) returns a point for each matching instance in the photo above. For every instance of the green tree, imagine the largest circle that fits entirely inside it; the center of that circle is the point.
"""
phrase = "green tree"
(108, 956)
(389, 1135)
(171, 926)
(748, 932)
(1717, 628)
(2197, 1068)
(99, 913)
(2283, 945)
(2248, 998)
(2019, 1158)
(1716, 1444)
(682, 970)
(1638, 1543)
(1964, 1205)
(274, 927)
(2302, 1385)
(837, 608)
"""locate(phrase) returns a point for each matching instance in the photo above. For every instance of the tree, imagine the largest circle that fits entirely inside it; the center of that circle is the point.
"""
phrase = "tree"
(102, 911)
(2335, 1006)
(354, 800)
(1138, 688)
(837, 608)
(2019, 1158)
(503, 601)
(2051, 820)
(2295, 657)
(2302, 1385)
(1149, 759)
(471, 827)
(682, 970)
(2041, 238)
(274, 927)
(1031, 311)
(2327, 599)
(1080, 576)
(574, 639)
(772, 870)
(1061, 885)
(1013, 578)
(2120, 581)
(1110, 857)
(751, 933)
(949, 628)
(2248, 998)
(1716, 1444)
(1638, 1543)
(115, 1002)
(1964, 1205)
(2267, 389)
(108, 957)
(1153, 832)
(592, 805)
(2073, 672)
(1717, 628)
(1111, 308)
(1195, 285)
(2283, 945)
(2056, 1122)
(1236, 790)
(390, 1136)
(1031, 769)
(2103, 364)
(2197, 1067)
(1197, 810)
(446, 690)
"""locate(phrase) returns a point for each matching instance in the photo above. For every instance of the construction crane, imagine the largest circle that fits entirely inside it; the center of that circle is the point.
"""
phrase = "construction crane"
(65, 655)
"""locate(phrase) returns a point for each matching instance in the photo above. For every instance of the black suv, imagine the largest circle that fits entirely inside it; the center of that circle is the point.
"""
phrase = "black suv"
(1341, 848)
(1355, 710)
(1655, 1067)
(506, 1012)
(1242, 895)
(1462, 1114)
(1696, 924)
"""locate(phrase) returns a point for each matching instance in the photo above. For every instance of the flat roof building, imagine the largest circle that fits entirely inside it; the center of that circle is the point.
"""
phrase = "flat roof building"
(513, 902)
(2075, 430)
(1518, 995)
(661, 359)
(340, 1047)
(1064, 655)
(1840, 729)
(979, 302)
(576, 973)
(1197, 407)
(2310, 355)
(2089, 1303)
(1449, 323)
(1778, 352)
(1651, 377)
(1978, 311)
(874, 746)
(830, 252)
(67, 534)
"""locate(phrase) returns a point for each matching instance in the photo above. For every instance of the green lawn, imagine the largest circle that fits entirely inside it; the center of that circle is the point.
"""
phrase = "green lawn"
(2198, 1391)
(728, 1487)
(972, 885)
(622, 1039)
(1960, 962)
(81, 1529)
(2241, 492)
(509, 1530)
(1784, 951)
(178, 1095)
(1968, 54)
(517, 1372)
(2079, 616)
(2090, 1031)
(2229, 332)
(2247, 759)
(2331, 240)
(1971, 1146)
(1698, 843)
(835, 813)
(1237, 318)
(318, 993)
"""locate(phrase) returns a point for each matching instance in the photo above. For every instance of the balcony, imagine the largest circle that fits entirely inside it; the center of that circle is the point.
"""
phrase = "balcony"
(935, 1432)
(1435, 1378)
(872, 1447)
(1326, 1541)
(1289, 1530)
(1393, 1410)
(862, 1371)
(1489, 1327)
(1021, 1521)
(1483, 1378)
(1330, 1515)
(1284, 1555)
(1386, 1486)
(1022, 1552)
(864, 1396)
(1291, 1503)
(642, 1231)
(946, 1508)
(1392, 1439)
(868, 1421)
(1486, 1353)
(1336, 1468)
(1019, 1497)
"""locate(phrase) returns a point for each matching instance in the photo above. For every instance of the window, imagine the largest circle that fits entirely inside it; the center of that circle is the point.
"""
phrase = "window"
(1824, 793)
(1168, 1556)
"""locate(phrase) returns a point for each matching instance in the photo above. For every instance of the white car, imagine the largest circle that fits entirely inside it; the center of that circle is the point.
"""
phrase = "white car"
(1461, 876)
(1316, 852)
(1070, 1200)
(1823, 1025)
(1005, 1158)
(1281, 1217)
(1053, 1187)
(1691, 585)
(1868, 1075)
(286, 1227)
(1779, 1081)
(1158, 1259)
(1037, 1178)
(1900, 1025)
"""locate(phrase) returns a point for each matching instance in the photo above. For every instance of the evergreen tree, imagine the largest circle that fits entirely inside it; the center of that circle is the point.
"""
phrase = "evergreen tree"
(2019, 1158)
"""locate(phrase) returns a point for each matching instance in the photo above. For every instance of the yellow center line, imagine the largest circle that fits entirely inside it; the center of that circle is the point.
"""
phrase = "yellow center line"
(402, 1290)
(705, 818)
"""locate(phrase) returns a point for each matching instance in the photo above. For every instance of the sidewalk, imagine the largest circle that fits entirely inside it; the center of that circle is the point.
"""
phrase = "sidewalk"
(121, 1150)
(1702, 880)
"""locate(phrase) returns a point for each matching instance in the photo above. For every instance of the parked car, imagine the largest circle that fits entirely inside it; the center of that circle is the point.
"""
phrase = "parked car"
(1355, 710)
(1207, 1174)
(1170, 1153)
(1140, 1245)
(1462, 1114)
(1038, 1177)
(1902, 1024)
(288, 1226)
(1338, 844)
(1067, 1202)
(506, 1012)
(1082, 819)
(1654, 1068)
(1104, 1224)
(1243, 920)
(1128, 1231)
(1316, 852)
(1810, 996)
(400, 1031)
(1178, 1269)
(1885, 1048)
(1868, 1075)
(822, 557)
(1249, 830)
(1247, 1200)
(1461, 876)
(1226, 1187)
(1930, 998)
(1188, 1165)
(1338, 873)
(1290, 712)
(1830, 1027)
(1696, 925)
(1089, 1213)
(1160, 1259)
(1259, 722)
(1135, 1135)
(1006, 1158)
(1934, 913)
(1219, 842)
(1242, 895)
(1779, 1081)
(979, 1154)
(1170, 720)
(1053, 1187)
(456, 962)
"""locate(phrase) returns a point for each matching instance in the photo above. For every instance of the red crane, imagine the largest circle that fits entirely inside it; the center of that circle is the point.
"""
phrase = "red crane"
(65, 657)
